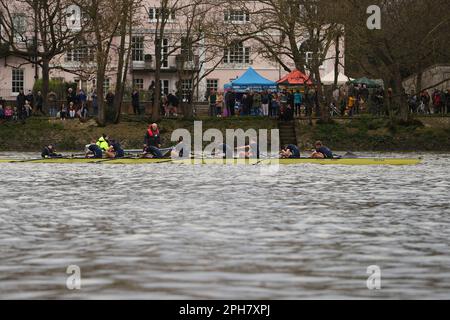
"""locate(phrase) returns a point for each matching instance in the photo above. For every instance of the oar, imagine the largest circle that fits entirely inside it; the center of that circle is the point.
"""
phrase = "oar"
(26, 160)
(36, 159)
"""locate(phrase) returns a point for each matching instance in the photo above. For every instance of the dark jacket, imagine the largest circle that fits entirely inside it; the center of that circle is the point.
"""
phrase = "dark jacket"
(39, 100)
(135, 98)
(152, 139)
(20, 101)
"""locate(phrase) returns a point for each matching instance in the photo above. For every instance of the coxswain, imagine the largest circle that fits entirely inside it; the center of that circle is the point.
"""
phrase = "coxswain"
(290, 151)
(49, 152)
(152, 142)
(321, 152)
(103, 143)
(93, 150)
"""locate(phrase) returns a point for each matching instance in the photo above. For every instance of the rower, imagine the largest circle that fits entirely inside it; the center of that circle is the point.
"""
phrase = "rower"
(93, 150)
(103, 143)
(117, 149)
(180, 150)
(321, 152)
(49, 152)
(253, 150)
(152, 142)
(290, 152)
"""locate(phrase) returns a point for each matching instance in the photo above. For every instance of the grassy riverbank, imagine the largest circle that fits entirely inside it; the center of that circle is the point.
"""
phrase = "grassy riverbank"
(72, 135)
(357, 135)
(367, 134)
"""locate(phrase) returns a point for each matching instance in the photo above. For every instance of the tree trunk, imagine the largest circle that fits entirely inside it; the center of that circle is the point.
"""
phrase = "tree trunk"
(120, 65)
(400, 99)
(100, 92)
(121, 72)
(336, 63)
(158, 55)
(45, 79)
(323, 106)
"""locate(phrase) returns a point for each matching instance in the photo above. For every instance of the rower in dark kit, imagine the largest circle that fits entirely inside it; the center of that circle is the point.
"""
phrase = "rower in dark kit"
(290, 151)
(93, 150)
(181, 150)
(251, 150)
(50, 152)
(152, 142)
(115, 150)
(321, 152)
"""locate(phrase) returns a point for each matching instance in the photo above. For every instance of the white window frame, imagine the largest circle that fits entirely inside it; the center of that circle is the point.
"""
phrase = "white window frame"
(165, 89)
(237, 54)
(309, 58)
(154, 14)
(137, 48)
(81, 53)
(236, 16)
(186, 87)
(106, 85)
(165, 53)
(214, 87)
(138, 83)
(17, 80)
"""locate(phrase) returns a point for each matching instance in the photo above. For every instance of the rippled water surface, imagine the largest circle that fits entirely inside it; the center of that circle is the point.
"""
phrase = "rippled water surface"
(177, 231)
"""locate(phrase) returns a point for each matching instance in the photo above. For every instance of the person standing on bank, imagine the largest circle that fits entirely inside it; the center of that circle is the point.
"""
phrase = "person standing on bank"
(135, 101)
(40, 103)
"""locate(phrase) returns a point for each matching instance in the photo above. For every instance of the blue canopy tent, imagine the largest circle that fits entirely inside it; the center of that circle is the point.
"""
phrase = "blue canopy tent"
(252, 81)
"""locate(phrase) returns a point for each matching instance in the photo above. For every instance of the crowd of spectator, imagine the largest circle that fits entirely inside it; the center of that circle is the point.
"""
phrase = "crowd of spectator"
(423, 103)
(347, 100)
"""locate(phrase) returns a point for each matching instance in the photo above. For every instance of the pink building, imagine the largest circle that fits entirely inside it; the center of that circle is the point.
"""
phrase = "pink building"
(215, 66)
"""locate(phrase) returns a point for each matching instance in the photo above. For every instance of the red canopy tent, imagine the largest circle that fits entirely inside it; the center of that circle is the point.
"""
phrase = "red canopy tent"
(294, 79)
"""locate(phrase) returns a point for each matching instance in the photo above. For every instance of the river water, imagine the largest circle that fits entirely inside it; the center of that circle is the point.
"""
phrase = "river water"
(232, 232)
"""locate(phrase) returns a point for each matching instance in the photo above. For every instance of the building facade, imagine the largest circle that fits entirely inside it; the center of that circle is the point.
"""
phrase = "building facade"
(214, 64)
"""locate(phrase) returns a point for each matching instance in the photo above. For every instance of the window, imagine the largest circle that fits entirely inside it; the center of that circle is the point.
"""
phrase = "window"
(81, 52)
(186, 49)
(17, 80)
(155, 14)
(106, 85)
(237, 53)
(138, 84)
(186, 88)
(19, 27)
(212, 84)
(236, 16)
(308, 58)
(165, 53)
(164, 87)
(137, 48)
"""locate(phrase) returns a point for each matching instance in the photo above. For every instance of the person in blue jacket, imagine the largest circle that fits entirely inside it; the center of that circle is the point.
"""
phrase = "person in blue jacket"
(321, 152)
(93, 150)
(290, 151)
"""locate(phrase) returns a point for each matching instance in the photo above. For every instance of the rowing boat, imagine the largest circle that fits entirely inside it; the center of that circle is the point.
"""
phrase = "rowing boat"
(208, 161)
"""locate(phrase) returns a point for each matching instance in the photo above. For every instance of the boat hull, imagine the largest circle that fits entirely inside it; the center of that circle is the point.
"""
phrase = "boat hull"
(358, 161)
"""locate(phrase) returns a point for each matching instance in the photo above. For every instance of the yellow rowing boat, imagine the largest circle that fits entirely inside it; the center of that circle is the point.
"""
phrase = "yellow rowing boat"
(127, 161)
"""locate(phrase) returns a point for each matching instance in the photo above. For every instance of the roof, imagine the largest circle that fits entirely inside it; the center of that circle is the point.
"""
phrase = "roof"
(252, 78)
(296, 77)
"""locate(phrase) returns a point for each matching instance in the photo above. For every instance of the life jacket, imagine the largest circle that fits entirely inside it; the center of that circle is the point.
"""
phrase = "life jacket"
(152, 133)
(103, 144)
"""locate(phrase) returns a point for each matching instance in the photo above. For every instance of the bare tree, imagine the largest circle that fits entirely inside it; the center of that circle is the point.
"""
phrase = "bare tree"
(37, 31)
(102, 22)
(412, 37)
